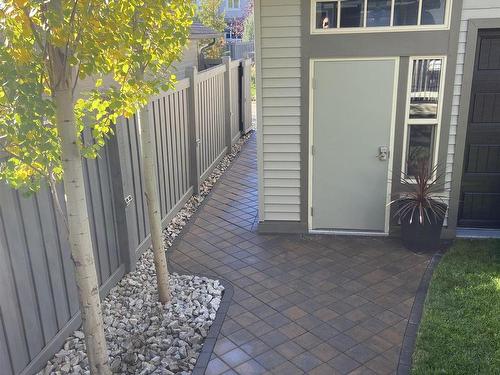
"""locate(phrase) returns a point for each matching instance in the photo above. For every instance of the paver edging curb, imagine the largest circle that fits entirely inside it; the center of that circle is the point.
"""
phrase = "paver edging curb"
(410, 336)
(227, 296)
(209, 343)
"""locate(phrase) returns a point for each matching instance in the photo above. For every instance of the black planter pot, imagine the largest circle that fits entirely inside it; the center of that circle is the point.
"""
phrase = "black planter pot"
(422, 237)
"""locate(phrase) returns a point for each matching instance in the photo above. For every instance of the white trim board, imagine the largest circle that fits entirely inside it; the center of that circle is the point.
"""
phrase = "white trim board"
(348, 233)
(312, 62)
(260, 125)
(437, 122)
(378, 29)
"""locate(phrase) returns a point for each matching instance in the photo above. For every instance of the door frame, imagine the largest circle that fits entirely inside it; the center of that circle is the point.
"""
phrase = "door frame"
(312, 63)
(473, 27)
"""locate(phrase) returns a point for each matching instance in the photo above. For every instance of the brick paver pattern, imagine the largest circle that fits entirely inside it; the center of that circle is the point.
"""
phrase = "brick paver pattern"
(302, 304)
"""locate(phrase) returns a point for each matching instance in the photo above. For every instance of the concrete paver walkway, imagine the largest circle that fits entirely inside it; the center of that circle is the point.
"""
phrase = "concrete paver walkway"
(302, 304)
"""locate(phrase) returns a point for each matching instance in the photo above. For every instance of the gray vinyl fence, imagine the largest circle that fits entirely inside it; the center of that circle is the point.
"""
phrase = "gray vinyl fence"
(240, 50)
(38, 297)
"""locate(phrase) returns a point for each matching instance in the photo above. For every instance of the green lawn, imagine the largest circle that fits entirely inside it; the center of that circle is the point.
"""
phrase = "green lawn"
(460, 329)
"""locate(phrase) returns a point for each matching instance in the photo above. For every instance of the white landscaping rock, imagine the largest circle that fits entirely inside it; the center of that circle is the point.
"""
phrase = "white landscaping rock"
(143, 336)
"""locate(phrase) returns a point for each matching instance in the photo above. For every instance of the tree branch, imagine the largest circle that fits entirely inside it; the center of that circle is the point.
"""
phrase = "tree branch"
(38, 40)
(57, 203)
(12, 154)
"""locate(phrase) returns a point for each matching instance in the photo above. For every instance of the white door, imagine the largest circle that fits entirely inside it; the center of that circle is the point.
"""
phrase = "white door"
(352, 131)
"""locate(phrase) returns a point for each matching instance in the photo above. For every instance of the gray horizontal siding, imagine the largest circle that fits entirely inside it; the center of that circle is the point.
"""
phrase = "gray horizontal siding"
(280, 109)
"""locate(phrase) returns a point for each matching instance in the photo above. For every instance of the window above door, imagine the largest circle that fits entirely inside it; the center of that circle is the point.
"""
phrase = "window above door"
(358, 16)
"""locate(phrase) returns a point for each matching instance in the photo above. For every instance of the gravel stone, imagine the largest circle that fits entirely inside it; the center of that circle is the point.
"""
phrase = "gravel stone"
(144, 336)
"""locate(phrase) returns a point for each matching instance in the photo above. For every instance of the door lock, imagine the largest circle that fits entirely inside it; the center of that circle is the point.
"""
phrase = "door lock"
(383, 153)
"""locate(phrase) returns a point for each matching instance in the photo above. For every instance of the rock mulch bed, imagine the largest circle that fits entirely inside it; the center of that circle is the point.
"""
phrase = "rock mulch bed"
(143, 336)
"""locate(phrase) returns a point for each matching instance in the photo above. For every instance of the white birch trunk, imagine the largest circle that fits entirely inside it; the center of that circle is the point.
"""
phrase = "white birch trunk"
(79, 227)
(154, 213)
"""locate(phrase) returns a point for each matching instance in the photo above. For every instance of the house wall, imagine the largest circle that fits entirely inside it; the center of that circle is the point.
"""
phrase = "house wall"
(471, 10)
(231, 13)
(278, 30)
(285, 65)
(234, 13)
(189, 58)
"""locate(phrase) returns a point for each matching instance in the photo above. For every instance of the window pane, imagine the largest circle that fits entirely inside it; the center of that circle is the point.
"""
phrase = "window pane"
(433, 12)
(420, 147)
(326, 15)
(425, 86)
(379, 13)
(352, 13)
(405, 12)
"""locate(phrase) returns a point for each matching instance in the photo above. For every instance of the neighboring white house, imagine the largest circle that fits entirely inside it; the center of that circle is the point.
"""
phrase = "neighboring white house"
(233, 9)
(351, 93)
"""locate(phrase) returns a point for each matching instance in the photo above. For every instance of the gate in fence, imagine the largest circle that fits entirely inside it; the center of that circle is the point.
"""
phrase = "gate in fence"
(193, 126)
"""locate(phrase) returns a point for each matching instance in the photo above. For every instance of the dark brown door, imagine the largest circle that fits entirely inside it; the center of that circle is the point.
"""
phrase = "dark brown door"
(480, 196)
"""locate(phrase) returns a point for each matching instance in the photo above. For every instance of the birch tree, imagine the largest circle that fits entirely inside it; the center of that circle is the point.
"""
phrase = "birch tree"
(47, 46)
(149, 54)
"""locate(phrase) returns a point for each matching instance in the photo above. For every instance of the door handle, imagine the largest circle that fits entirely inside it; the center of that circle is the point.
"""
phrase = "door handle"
(383, 153)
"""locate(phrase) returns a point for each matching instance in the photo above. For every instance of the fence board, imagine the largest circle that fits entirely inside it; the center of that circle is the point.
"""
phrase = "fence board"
(13, 325)
(235, 103)
(96, 220)
(109, 211)
(123, 156)
(5, 359)
(240, 50)
(25, 288)
(211, 116)
(38, 267)
(53, 257)
(173, 126)
(164, 154)
(168, 147)
(184, 144)
(136, 173)
(159, 154)
(246, 97)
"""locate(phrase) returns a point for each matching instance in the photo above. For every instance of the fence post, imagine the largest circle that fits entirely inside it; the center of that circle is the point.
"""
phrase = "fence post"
(127, 252)
(194, 137)
(246, 95)
(228, 97)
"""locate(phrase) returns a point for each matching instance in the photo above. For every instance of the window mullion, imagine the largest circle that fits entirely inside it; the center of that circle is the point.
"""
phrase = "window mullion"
(420, 5)
(365, 14)
(338, 14)
(393, 6)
